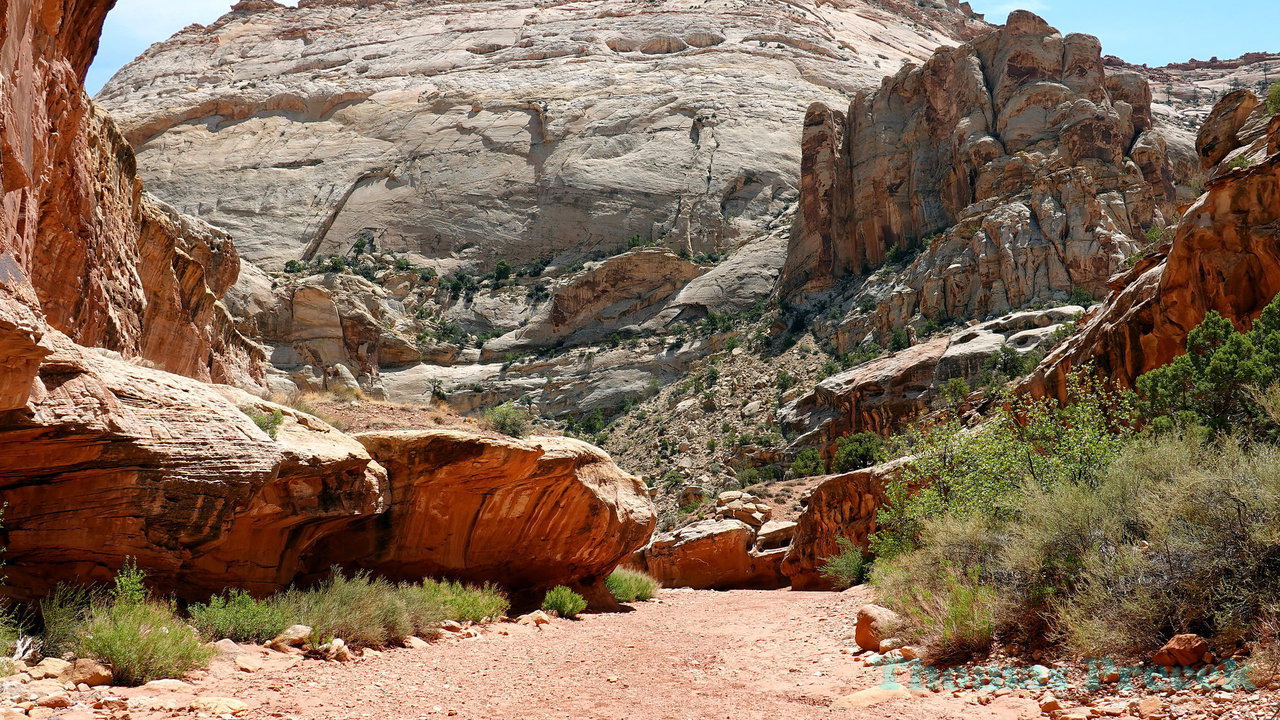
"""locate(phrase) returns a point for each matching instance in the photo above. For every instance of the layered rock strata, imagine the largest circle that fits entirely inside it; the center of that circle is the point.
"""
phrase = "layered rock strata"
(1225, 256)
(1010, 169)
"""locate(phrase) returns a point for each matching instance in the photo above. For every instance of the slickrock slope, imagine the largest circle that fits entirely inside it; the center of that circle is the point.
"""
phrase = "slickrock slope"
(462, 133)
(1014, 168)
(527, 514)
(1224, 257)
(452, 136)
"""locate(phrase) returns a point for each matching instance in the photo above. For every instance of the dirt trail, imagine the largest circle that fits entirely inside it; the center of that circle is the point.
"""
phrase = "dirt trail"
(740, 655)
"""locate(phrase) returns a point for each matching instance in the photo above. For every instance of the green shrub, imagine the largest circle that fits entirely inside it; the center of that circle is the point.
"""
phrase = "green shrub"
(1216, 383)
(63, 613)
(464, 603)
(1080, 296)
(629, 585)
(361, 610)
(1027, 442)
(807, 464)
(956, 614)
(1240, 162)
(857, 451)
(268, 423)
(140, 638)
(899, 340)
(846, 568)
(1273, 99)
(502, 271)
(334, 264)
(294, 267)
(142, 641)
(507, 419)
(11, 630)
(564, 602)
(784, 380)
(241, 617)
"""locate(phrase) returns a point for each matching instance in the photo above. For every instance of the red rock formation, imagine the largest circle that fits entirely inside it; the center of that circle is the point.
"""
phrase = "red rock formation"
(526, 514)
(82, 248)
(1224, 257)
(842, 506)
(1027, 167)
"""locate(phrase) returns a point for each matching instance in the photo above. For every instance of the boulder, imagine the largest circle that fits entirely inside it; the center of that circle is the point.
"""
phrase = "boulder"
(528, 514)
(745, 507)
(875, 625)
(292, 636)
(839, 506)
(714, 554)
(1185, 650)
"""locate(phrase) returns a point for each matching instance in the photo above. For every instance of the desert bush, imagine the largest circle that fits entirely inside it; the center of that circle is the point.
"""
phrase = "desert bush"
(63, 613)
(564, 602)
(268, 423)
(508, 419)
(954, 613)
(631, 585)
(846, 568)
(362, 610)
(808, 463)
(465, 602)
(857, 451)
(1028, 442)
(141, 638)
(239, 616)
(1273, 98)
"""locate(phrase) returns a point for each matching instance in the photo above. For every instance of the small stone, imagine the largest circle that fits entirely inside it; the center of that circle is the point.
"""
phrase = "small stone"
(294, 635)
(219, 705)
(416, 643)
(168, 686)
(535, 618)
(910, 653)
(452, 626)
(49, 668)
(1049, 703)
(248, 663)
(87, 672)
(1182, 651)
(1150, 707)
(228, 646)
(57, 700)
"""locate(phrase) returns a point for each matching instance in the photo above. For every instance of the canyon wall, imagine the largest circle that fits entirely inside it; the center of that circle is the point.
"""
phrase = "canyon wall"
(1009, 169)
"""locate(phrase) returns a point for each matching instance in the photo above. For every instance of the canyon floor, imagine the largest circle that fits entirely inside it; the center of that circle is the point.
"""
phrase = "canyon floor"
(686, 655)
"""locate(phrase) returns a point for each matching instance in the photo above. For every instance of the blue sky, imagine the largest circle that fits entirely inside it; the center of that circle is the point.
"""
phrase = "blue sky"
(1155, 32)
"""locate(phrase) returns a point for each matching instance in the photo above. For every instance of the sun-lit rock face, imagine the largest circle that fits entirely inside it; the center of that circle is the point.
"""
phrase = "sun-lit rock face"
(1225, 256)
(1009, 169)
(468, 132)
(528, 514)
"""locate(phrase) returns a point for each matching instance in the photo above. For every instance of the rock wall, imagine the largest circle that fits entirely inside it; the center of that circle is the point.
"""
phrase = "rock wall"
(465, 132)
(842, 506)
(1008, 169)
(84, 251)
(1225, 256)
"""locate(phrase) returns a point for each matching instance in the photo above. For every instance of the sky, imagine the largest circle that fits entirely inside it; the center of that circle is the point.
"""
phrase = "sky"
(1155, 32)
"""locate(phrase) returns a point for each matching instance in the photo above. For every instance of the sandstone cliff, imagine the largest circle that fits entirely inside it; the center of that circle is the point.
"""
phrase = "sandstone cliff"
(1225, 256)
(462, 133)
(448, 137)
(1011, 169)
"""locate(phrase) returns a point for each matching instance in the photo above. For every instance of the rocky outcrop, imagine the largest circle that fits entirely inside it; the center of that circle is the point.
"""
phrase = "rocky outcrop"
(83, 250)
(882, 394)
(1225, 256)
(111, 460)
(739, 547)
(841, 506)
(1010, 169)
(528, 515)
(463, 133)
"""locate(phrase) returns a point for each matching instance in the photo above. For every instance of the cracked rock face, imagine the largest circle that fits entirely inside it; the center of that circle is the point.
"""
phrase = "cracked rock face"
(1013, 168)
(461, 133)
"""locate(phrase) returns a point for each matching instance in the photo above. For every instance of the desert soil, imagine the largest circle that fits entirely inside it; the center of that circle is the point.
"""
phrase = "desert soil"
(687, 655)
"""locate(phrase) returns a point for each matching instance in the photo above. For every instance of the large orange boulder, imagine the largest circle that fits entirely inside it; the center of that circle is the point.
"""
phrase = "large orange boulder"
(527, 514)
